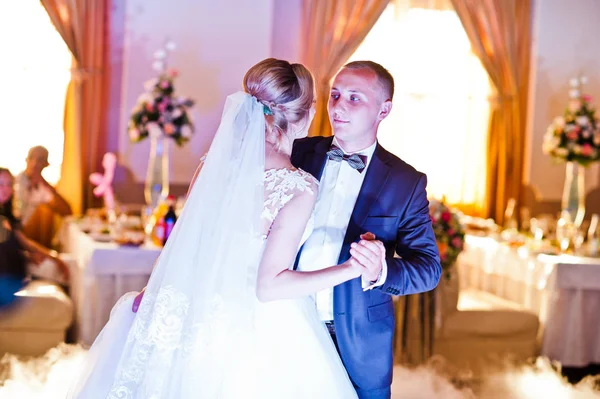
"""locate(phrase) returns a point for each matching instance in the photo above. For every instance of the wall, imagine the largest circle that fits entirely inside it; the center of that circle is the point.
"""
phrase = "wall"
(215, 46)
(565, 45)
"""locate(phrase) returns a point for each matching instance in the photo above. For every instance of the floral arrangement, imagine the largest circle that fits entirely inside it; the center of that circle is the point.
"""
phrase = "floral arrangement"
(575, 136)
(157, 111)
(449, 233)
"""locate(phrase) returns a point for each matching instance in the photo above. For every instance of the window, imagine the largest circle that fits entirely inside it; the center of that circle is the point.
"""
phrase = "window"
(441, 105)
(35, 68)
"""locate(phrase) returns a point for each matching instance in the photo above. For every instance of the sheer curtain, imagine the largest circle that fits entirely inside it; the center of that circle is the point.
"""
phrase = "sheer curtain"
(440, 117)
(83, 25)
(500, 33)
(36, 71)
(332, 31)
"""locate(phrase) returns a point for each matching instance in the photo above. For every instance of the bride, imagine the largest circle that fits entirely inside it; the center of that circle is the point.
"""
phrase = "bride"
(224, 315)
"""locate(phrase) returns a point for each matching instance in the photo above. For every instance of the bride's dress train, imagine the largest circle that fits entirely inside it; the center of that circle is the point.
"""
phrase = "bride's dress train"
(292, 356)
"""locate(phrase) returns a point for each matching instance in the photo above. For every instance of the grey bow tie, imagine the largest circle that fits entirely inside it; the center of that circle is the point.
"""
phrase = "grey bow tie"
(355, 161)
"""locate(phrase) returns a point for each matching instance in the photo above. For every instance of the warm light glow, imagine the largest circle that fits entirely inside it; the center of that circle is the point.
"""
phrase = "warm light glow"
(35, 67)
(441, 110)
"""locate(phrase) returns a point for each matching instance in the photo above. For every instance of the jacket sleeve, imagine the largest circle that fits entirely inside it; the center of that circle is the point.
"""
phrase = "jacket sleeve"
(417, 269)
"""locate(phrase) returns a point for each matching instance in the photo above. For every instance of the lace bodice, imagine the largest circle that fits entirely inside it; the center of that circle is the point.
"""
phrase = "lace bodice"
(281, 185)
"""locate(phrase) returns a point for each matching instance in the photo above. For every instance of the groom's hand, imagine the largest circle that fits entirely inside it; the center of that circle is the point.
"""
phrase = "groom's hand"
(371, 255)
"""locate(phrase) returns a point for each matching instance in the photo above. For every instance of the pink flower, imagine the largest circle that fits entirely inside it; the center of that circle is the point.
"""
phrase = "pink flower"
(149, 107)
(446, 216)
(451, 232)
(572, 135)
(457, 242)
(164, 84)
(172, 73)
(162, 106)
(586, 150)
(587, 98)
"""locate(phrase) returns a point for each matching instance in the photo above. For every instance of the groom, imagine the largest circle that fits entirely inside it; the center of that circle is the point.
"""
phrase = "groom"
(364, 188)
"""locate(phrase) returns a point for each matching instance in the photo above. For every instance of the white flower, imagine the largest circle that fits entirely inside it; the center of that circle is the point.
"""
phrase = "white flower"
(574, 93)
(176, 113)
(186, 131)
(145, 98)
(559, 122)
(568, 128)
(158, 66)
(582, 120)
(561, 152)
(149, 84)
(583, 79)
(550, 144)
(160, 54)
(574, 82)
(153, 129)
(170, 45)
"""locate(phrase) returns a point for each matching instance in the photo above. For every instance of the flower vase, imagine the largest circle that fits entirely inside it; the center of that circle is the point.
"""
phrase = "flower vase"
(573, 199)
(156, 187)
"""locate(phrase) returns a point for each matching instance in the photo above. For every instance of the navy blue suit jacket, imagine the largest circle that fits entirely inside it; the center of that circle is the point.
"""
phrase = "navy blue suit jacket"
(393, 205)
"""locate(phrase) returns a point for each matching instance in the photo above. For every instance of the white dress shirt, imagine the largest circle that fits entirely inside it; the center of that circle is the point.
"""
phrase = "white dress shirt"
(338, 191)
(27, 198)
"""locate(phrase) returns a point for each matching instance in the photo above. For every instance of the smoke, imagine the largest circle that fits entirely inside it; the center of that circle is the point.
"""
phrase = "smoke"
(50, 376)
(542, 379)
(47, 377)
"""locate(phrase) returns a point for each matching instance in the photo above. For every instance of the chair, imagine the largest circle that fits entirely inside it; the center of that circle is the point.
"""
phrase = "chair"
(37, 322)
(482, 330)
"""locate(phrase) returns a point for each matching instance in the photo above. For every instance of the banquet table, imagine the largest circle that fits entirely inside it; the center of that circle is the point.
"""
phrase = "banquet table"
(104, 272)
(562, 289)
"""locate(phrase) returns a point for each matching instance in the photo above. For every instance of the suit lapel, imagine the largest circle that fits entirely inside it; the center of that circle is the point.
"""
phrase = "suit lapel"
(377, 174)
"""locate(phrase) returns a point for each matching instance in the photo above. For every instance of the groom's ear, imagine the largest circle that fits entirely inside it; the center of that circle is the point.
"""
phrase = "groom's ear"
(384, 110)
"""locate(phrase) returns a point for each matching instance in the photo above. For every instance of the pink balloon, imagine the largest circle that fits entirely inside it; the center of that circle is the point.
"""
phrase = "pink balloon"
(103, 182)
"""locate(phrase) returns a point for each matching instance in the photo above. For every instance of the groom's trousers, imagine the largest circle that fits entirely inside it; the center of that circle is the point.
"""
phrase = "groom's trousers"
(384, 393)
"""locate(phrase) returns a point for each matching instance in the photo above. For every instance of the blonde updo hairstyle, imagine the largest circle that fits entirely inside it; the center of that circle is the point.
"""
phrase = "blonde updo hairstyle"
(287, 90)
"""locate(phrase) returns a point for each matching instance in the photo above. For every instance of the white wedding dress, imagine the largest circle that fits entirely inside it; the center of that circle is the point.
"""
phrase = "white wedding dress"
(281, 351)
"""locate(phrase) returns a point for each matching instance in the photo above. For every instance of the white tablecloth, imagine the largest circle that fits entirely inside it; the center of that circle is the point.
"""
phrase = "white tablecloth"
(563, 290)
(105, 272)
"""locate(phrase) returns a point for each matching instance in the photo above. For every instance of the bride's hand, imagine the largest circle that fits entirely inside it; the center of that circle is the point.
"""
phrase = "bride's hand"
(137, 301)
(354, 267)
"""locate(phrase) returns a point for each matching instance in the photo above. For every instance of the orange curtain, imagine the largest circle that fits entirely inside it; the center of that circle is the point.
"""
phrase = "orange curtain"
(500, 33)
(83, 25)
(333, 30)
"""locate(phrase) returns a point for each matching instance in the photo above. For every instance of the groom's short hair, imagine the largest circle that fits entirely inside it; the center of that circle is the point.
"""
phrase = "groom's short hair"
(385, 78)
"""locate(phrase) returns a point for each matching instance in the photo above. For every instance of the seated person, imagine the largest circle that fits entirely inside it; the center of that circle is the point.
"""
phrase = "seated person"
(36, 201)
(21, 257)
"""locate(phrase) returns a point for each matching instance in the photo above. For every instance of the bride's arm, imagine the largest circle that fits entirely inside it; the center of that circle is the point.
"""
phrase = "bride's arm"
(275, 279)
